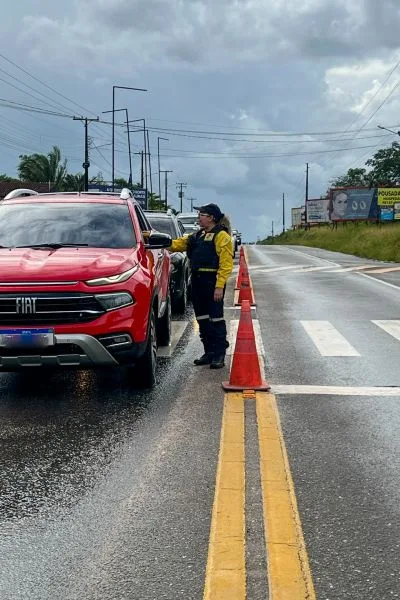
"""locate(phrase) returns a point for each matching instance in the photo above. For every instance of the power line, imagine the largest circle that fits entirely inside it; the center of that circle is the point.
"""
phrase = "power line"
(175, 131)
(45, 85)
(249, 156)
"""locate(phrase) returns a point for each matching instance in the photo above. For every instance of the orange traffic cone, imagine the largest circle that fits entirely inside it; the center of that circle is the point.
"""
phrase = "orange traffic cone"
(243, 272)
(245, 290)
(245, 371)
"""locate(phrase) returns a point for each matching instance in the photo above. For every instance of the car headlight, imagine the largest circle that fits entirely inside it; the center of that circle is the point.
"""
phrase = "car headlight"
(113, 301)
(121, 277)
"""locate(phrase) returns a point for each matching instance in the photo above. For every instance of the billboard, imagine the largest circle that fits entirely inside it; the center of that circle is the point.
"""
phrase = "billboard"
(352, 204)
(317, 210)
(396, 211)
(296, 217)
(388, 196)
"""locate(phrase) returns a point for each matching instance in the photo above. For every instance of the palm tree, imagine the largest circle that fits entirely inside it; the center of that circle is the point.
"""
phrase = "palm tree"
(72, 183)
(43, 169)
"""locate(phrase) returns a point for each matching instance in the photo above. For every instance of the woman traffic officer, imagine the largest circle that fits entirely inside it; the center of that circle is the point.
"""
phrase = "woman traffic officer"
(210, 253)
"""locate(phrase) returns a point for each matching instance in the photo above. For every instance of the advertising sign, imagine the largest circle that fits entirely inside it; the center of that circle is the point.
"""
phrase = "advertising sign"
(352, 204)
(317, 210)
(388, 196)
(387, 213)
(296, 217)
(396, 212)
(140, 195)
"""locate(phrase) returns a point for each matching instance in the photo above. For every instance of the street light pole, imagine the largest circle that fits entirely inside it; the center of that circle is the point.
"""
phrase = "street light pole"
(119, 87)
(158, 157)
(386, 129)
(129, 139)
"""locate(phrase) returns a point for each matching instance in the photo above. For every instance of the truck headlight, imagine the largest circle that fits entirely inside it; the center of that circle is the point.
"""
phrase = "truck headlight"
(113, 301)
(119, 278)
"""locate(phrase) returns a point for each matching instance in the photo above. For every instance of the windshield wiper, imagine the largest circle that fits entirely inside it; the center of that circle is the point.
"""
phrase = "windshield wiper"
(52, 245)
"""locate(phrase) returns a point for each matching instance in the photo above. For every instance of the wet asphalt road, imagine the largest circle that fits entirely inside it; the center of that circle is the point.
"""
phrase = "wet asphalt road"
(344, 451)
(106, 492)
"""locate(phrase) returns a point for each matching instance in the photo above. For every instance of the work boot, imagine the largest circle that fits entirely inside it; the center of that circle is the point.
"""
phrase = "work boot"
(218, 362)
(206, 359)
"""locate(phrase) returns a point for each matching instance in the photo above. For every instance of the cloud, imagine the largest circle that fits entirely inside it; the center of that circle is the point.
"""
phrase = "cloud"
(207, 34)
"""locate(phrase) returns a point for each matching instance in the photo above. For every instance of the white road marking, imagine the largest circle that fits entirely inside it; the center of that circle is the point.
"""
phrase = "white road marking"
(331, 262)
(327, 339)
(358, 268)
(334, 390)
(234, 326)
(274, 269)
(309, 269)
(238, 308)
(392, 285)
(178, 329)
(391, 327)
(384, 270)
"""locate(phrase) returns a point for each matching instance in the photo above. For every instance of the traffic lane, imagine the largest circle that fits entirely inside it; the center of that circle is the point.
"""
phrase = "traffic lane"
(336, 257)
(350, 304)
(345, 460)
(277, 256)
(108, 490)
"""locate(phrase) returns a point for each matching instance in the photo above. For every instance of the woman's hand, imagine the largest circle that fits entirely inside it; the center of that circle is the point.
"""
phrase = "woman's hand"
(218, 294)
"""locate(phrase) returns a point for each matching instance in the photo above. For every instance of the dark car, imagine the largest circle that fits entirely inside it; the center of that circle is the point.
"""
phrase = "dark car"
(180, 268)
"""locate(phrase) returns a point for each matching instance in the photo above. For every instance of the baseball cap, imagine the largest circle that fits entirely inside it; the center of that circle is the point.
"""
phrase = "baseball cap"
(210, 209)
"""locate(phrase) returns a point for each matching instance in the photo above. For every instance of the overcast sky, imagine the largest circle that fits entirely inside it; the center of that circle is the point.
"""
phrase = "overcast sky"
(243, 67)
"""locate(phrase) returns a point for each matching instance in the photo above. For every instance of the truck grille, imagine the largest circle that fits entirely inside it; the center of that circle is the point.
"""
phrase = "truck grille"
(48, 309)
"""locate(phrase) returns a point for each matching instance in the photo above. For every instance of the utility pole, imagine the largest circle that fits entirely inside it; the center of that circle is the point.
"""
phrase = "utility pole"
(181, 185)
(166, 187)
(145, 138)
(191, 203)
(307, 170)
(86, 163)
(272, 232)
(283, 209)
(148, 148)
(158, 159)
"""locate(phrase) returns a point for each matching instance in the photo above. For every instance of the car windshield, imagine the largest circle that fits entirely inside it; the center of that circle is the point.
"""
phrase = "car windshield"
(191, 219)
(91, 224)
(163, 225)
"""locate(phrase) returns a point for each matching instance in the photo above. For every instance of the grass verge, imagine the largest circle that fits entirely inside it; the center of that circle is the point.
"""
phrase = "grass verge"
(367, 240)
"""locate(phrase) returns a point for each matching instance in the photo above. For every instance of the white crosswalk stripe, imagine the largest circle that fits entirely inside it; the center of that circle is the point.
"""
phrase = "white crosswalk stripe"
(327, 339)
(370, 268)
(391, 327)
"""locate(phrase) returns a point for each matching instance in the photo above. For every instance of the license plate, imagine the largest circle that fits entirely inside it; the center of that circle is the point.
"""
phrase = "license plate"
(26, 338)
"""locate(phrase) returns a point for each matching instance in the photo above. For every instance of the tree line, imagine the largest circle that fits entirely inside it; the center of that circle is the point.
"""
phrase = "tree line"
(384, 170)
(52, 168)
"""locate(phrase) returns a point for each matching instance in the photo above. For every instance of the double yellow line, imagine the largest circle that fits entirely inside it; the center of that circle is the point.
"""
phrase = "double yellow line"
(289, 576)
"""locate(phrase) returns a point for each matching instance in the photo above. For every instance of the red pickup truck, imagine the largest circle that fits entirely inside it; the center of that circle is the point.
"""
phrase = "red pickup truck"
(84, 282)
